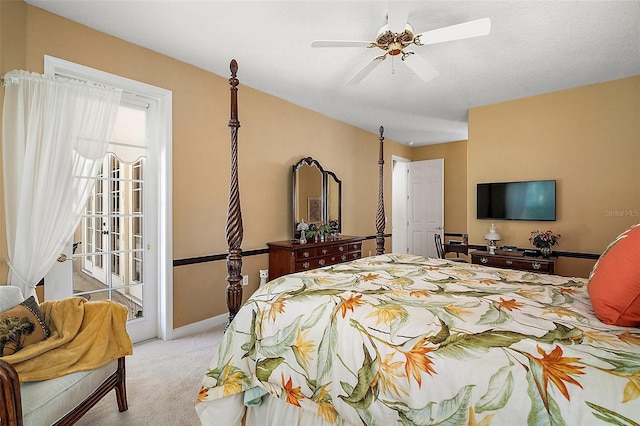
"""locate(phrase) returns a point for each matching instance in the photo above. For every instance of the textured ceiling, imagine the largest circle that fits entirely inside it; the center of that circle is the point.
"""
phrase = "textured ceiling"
(534, 47)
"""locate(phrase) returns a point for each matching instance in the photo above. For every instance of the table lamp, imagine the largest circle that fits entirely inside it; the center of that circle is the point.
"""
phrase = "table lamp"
(492, 236)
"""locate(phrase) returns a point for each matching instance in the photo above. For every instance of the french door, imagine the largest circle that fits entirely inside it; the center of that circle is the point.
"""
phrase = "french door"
(121, 248)
(109, 253)
(110, 256)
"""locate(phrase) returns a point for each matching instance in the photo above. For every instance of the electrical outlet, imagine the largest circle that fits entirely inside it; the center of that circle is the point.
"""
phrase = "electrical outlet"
(245, 280)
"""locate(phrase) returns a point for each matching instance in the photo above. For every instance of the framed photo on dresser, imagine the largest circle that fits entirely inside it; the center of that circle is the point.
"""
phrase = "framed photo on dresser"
(314, 210)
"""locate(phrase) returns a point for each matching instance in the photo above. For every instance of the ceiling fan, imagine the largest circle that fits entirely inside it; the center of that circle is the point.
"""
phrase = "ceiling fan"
(397, 35)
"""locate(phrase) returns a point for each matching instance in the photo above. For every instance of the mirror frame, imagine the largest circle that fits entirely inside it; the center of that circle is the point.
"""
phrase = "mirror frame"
(326, 175)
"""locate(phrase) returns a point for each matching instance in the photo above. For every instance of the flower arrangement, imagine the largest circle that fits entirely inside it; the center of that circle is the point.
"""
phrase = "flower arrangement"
(545, 239)
(313, 230)
(320, 230)
(324, 229)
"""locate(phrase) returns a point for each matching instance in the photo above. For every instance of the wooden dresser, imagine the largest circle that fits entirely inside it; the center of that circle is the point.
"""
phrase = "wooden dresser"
(515, 260)
(286, 257)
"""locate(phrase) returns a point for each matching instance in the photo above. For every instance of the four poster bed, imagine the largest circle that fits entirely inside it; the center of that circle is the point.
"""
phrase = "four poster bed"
(399, 338)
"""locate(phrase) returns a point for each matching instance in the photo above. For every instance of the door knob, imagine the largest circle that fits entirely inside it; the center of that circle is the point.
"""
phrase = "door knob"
(63, 257)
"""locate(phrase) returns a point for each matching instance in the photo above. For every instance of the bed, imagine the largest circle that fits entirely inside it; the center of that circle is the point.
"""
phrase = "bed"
(404, 339)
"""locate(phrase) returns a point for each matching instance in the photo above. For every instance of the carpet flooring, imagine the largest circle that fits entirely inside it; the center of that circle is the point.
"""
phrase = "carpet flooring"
(163, 380)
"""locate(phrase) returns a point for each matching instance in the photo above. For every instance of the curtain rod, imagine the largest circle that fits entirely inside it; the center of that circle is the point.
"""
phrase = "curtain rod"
(6, 79)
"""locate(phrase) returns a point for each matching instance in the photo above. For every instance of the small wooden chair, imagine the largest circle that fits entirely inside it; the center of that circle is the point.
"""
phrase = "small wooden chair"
(442, 250)
(439, 246)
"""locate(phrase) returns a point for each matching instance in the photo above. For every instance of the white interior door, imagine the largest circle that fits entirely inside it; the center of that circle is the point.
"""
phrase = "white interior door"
(426, 205)
(399, 205)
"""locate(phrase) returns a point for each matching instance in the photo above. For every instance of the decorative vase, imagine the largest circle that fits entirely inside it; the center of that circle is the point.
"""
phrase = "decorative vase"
(545, 251)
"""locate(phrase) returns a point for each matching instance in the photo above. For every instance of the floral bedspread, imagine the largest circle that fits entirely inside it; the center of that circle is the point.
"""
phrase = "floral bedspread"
(402, 339)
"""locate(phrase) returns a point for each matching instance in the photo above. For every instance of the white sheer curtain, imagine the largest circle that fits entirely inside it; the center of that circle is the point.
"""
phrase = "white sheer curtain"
(55, 133)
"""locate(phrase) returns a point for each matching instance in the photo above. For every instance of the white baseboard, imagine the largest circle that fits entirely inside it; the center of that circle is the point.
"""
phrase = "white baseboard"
(199, 327)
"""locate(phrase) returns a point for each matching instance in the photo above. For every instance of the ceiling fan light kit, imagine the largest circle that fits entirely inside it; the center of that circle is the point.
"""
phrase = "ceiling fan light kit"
(395, 43)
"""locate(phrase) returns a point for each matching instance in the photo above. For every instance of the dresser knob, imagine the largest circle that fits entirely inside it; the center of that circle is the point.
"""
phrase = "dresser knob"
(536, 265)
(343, 257)
(340, 248)
(306, 265)
(484, 260)
(305, 253)
(325, 251)
(321, 262)
(509, 262)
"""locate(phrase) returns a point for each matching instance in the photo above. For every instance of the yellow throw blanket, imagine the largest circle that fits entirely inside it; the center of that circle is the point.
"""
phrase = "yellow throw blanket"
(84, 336)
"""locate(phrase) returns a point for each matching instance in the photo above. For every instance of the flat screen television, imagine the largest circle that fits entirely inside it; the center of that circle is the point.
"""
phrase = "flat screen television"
(531, 200)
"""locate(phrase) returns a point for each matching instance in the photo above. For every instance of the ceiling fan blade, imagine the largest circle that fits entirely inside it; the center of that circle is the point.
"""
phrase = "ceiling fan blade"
(357, 78)
(340, 43)
(476, 28)
(421, 67)
(397, 16)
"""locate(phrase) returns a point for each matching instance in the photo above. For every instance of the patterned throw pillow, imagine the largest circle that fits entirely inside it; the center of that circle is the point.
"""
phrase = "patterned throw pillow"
(21, 326)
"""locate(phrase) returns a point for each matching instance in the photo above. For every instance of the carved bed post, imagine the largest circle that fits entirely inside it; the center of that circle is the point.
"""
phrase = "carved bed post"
(234, 213)
(380, 219)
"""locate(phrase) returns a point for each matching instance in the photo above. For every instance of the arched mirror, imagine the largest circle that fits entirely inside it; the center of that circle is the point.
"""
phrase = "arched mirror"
(317, 195)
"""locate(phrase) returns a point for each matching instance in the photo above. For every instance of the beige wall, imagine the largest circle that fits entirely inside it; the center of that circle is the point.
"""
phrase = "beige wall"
(274, 135)
(455, 181)
(588, 139)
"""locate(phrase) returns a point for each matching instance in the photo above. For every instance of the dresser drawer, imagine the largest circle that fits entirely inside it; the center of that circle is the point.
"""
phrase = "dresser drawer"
(317, 262)
(524, 264)
(305, 265)
(341, 248)
(355, 246)
(534, 266)
(305, 254)
(542, 265)
(324, 251)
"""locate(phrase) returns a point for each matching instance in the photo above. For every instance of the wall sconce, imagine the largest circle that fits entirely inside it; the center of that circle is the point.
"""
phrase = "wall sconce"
(492, 236)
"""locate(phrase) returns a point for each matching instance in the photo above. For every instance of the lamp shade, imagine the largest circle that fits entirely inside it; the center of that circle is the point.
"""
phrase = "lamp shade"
(492, 235)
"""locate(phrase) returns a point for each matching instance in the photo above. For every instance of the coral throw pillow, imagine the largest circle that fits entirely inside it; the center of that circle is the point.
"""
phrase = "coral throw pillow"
(614, 283)
(21, 326)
